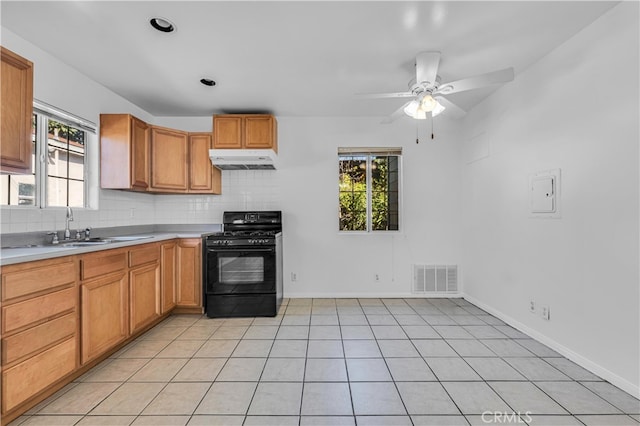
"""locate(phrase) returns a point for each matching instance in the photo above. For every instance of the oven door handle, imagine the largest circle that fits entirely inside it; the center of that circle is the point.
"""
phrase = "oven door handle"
(244, 250)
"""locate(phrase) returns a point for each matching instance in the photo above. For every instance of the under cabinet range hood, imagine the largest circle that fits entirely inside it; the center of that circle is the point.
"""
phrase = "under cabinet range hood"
(243, 159)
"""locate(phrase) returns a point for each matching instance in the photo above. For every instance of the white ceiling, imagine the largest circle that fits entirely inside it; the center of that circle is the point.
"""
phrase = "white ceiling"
(291, 58)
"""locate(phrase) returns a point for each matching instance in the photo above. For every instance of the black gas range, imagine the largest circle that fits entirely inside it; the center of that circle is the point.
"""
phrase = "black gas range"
(243, 266)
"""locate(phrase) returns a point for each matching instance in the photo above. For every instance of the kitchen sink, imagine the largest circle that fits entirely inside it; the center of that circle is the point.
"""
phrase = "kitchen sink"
(96, 241)
(102, 240)
(130, 238)
(24, 246)
(84, 243)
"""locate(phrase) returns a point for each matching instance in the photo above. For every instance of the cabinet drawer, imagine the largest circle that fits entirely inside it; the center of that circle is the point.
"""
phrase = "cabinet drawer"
(37, 276)
(101, 264)
(146, 254)
(33, 310)
(26, 379)
(36, 338)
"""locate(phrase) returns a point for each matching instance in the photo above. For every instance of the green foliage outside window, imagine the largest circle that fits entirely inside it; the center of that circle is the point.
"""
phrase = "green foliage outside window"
(356, 185)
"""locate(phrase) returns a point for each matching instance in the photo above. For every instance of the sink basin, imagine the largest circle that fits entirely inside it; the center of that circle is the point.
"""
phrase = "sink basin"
(103, 240)
(24, 246)
(85, 243)
(130, 237)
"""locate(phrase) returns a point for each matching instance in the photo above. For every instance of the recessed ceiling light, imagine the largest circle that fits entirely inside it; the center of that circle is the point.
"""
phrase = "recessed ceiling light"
(162, 24)
(207, 82)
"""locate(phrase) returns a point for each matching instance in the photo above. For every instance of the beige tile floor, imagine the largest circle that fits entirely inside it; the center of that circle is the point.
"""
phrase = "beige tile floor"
(339, 362)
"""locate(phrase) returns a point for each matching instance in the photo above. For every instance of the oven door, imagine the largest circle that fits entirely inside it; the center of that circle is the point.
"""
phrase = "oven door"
(237, 270)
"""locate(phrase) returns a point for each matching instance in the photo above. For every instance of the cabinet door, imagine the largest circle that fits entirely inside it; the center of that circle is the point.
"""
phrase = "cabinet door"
(203, 177)
(124, 152)
(139, 154)
(169, 155)
(227, 131)
(260, 132)
(168, 276)
(27, 378)
(17, 108)
(144, 296)
(104, 314)
(189, 273)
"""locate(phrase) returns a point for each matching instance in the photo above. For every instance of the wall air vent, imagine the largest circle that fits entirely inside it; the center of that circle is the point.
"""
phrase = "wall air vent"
(435, 279)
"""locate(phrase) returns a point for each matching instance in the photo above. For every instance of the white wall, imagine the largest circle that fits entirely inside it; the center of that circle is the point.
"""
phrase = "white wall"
(305, 188)
(63, 87)
(577, 110)
(331, 264)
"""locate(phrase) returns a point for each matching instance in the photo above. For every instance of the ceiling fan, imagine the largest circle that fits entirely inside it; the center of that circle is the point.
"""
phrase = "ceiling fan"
(428, 92)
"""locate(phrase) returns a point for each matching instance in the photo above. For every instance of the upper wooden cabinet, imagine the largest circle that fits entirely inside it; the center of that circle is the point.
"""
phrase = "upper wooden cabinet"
(17, 108)
(245, 131)
(124, 152)
(169, 154)
(203, 177)
(159, 159)
(227, 131)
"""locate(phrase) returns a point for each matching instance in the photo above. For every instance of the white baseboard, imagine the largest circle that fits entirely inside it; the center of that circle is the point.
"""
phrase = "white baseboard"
(595, 368)
(293, 295)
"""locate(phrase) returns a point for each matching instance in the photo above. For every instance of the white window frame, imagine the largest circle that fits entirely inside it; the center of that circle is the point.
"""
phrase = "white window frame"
(45, 112)
(368, 153)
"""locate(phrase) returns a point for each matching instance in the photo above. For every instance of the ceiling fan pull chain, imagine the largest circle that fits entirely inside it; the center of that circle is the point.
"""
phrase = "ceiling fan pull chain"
(417, 132)
(431, 125)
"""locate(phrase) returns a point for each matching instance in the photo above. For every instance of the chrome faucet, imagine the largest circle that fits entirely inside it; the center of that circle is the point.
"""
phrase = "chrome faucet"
(67, 232)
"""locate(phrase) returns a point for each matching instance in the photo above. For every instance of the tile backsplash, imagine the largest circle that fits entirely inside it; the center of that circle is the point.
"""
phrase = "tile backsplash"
(241, 190)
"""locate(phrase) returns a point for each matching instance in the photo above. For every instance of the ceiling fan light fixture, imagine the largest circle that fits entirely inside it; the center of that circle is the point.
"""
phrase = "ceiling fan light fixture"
(428, 104)
(438, 109)
(413, 110)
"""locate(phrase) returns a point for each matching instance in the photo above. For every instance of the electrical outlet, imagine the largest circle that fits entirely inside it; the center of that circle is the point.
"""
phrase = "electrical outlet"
(294, 277)
(376, 277)
(545, 313)
(532, 307)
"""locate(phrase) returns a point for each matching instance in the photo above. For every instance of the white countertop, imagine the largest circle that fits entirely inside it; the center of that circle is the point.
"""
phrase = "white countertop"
(9, 256)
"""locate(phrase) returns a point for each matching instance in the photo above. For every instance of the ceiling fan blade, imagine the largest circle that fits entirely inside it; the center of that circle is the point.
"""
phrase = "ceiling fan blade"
(395, 115)
(495, 77)
(451, 109)
(385, 95)
(427, 67)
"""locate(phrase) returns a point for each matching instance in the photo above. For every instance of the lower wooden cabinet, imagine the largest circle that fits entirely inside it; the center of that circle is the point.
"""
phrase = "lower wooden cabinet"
(39, 327)
(26, 379)
(168, 276)
(144, 296)
(189, 266)
(144, 286)
(104, 305)
(60, 316)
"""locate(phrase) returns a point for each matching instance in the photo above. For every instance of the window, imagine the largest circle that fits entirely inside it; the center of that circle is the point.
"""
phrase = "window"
(58, 166)
(369, 189)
